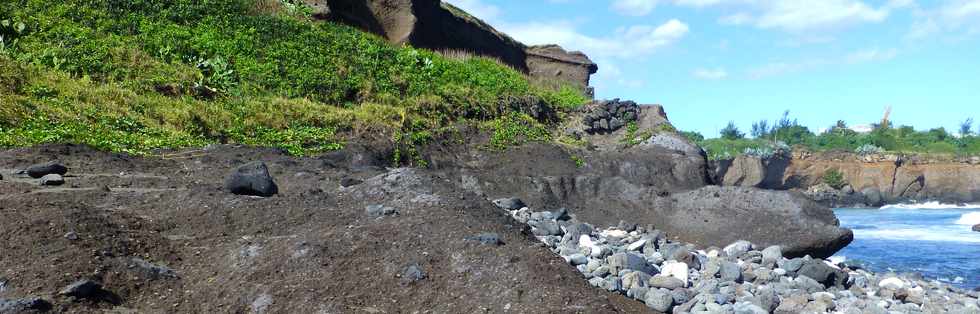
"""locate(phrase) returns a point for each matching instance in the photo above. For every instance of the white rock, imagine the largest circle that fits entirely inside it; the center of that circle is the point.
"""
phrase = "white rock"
(713, 253)
(675, 269)
(738, 248)
(613, 233)
(636, 245)
(892, 283)
(585, 241)
(779, 272)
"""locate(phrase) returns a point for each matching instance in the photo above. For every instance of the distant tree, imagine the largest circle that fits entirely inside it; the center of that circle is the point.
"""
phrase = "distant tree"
(839, 127)
(731, 132)
(966, 127)
(760, 129)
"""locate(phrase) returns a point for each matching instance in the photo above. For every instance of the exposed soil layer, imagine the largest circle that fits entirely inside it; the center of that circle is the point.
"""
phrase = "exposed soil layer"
(310, 249)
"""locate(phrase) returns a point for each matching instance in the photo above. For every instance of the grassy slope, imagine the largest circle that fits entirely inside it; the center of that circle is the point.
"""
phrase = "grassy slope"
(136, 75)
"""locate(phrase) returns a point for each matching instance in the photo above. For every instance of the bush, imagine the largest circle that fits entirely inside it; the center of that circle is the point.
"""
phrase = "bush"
(868, 149)
(731, 132)
(834, 178)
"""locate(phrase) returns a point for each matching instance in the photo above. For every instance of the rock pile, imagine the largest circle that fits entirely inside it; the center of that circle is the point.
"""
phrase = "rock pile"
(610, 115)
(676, 277)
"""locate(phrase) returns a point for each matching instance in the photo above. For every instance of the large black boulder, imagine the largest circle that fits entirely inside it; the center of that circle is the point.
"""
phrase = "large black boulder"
(718, 216)
(251, 179)
(52, 167)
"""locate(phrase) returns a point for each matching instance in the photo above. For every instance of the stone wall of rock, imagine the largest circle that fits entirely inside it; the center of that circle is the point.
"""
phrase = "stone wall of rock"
(609, 115)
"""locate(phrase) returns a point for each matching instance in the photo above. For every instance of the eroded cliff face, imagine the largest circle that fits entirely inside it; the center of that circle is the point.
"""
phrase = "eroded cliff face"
(878, 179)
(439, 26)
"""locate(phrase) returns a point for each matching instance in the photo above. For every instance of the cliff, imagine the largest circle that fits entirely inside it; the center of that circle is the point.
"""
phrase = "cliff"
(871, 180)
(439, 26)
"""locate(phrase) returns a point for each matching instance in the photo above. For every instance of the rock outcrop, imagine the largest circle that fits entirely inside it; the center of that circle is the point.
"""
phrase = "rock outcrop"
(875, 180)
(658, 178)
(439, 26)
(551, 63)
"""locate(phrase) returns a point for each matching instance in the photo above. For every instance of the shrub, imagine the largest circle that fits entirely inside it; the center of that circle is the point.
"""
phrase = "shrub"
(868, 149)
(731, 132)
(834, 178)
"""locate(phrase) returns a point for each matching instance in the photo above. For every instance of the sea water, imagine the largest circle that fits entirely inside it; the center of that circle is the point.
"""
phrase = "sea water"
(933, 239)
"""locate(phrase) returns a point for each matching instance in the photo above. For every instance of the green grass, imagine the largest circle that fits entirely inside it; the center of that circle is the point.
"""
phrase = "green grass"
(139, 75)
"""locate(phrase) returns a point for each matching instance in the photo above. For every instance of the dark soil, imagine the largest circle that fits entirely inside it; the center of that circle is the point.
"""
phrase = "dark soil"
(310, 249)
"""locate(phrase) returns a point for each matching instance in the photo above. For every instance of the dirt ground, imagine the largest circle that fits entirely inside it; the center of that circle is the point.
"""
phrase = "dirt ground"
(310, 249)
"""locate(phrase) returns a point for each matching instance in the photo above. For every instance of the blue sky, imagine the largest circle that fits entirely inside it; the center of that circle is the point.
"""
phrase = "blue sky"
(711, 61)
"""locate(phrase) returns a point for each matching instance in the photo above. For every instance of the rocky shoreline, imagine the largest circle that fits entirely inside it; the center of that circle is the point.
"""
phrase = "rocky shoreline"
(673, 277)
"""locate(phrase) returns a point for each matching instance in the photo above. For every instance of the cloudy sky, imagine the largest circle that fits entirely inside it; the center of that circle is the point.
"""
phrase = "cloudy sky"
(711, 61)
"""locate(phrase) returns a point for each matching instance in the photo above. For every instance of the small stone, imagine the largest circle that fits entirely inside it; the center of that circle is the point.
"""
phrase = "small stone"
(601, 271)
(577, 259)
(636, 245)
(976, 228)
(562, 215)
(487, 239)
(349, 182)
(52, 167)
(675, 269)
(659, 300)
(71, 235)
(791, 265)
(380, 210)
(771, 255)
(632, 261)
(251, 179)
(545, 227)
(748, 308)
(892, 283)
(413, 273)
(738, 248)
(510, 203)
(82, 289)
(150, 270)
(666, 282)
(730, 272)
(52, 180)
(635, 279)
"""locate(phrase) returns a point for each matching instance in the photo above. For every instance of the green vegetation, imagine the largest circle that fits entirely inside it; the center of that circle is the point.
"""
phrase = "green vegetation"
(883, 139)
(138, 75)
(834, 178)
(579, 162)
(634, 135)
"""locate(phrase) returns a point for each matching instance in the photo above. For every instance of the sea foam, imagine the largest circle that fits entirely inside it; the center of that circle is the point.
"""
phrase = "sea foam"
(930, 205)
(969, 219)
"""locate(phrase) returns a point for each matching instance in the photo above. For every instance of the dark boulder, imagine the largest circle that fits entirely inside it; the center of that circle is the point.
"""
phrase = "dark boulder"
(82, 289)
(745, 171)
(510, 203)
(52, 167)
(251, 179)
(823, 273)
(717, 216)
(976, 227)
(25, 305)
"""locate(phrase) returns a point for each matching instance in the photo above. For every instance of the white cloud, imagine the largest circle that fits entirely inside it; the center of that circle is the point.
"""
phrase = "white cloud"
(871, 55)
(625, 42)
(634, 7)
(799, 16)
(857, 57)
(477, 8)
(952, 17)
(710, 74)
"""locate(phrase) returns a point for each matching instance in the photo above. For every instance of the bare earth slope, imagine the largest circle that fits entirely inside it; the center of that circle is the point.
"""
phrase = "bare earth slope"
(128, 222)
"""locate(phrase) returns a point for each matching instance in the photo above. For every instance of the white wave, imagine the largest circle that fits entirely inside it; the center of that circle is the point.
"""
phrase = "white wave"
(918, 235)
(930, 205)
(969, 219)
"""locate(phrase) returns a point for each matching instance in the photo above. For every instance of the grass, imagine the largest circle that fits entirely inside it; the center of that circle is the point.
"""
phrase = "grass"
(139, 75)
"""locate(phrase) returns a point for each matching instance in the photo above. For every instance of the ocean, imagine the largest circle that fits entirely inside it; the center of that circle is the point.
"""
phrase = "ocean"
(933, 239)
